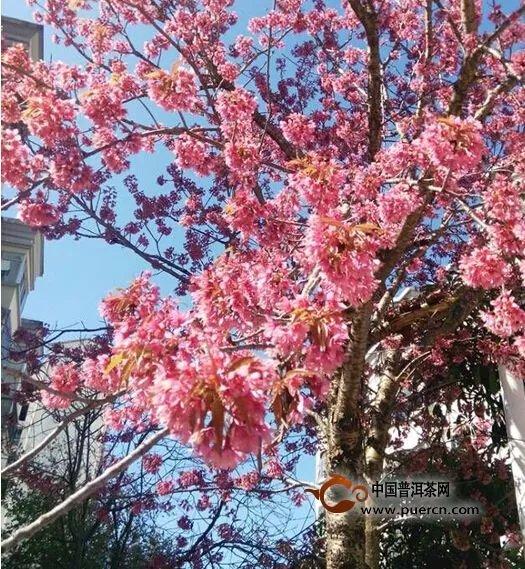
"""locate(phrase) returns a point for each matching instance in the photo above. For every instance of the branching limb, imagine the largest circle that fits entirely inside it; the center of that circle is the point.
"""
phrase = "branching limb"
(11, 469)
(368, 18)
(86, 491)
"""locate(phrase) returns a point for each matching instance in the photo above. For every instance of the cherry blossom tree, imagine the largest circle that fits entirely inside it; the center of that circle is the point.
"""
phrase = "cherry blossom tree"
(319, 160)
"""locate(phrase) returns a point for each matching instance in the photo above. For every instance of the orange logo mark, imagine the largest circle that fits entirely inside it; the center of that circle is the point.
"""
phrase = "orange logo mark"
(360, 492)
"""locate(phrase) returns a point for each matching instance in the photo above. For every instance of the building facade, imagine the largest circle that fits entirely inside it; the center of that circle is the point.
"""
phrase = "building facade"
(22, 264)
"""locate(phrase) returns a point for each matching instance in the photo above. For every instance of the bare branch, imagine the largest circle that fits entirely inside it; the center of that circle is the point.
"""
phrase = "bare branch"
(14, 466)
(88, 490)
(368, 19)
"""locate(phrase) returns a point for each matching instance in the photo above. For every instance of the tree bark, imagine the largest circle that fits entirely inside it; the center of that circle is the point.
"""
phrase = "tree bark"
(371, 544)
(345, 532)
(345, 539)
(376, 444)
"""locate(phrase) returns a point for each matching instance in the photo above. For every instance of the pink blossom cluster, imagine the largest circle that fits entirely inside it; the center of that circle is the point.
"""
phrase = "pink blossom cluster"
(38, 213)
(165, 487)
(214, 401)
(396, 204)
(15, 159)
(345, 256)
(320, 183)
(102, 104)
(48, 117)
(152, 463)
(506, 317)
(503, 201)
(317, 334)
(452, 143)
(193, 155)
(64, 379)
(484, 268)
(235, 106)
(241, 152)
(173, 92)
(298, 129)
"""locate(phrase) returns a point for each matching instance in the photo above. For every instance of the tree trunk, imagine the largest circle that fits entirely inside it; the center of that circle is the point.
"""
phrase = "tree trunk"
(345, 541)
(371, 544)
(345, 532)
(352, 541)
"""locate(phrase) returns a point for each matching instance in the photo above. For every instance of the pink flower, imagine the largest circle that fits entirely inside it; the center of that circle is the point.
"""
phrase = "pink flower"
(54, 401)
(229, 71)
(15, 159)
(242, 159)
(173, 92)
(298, 129)
(453, 143)
(192, 154)
(244, 45)
(248, 481)
(502, 200)
(236, 106)
(274, 469)
(396, 204)
(65, 378)
(138, 301)
(506, 318)
(165, 487)
(114, 419)
(345, 256)
(47, 117)
(95, 376)
(320, 183)
(37, 214)
(103, 104)
(484, 268)
(519, 343)
(190, 478)
(204, 503)
(152, 463)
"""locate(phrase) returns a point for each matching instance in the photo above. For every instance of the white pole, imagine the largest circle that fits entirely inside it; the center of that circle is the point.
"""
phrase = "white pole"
(513, 393)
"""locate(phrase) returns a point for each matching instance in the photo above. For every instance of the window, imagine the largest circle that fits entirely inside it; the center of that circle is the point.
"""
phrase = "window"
(12, 269)
(22, 416)
(7, 408)
(6, 332)
(23, 292)
(6, 267)
(16, 435)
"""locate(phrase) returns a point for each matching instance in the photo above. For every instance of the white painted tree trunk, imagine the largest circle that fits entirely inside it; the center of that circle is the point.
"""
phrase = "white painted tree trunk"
(513, 393)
